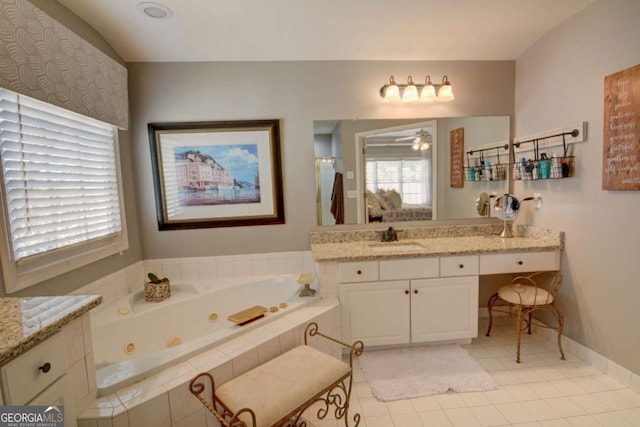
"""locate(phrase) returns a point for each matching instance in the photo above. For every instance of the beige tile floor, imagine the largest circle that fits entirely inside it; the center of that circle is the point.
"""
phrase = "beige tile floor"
(541, 391)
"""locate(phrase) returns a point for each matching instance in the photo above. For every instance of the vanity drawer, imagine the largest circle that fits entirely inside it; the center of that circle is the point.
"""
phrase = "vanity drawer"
(362, 271)
(519, 262)
(24, 377)
(463, 265)
(413, 268)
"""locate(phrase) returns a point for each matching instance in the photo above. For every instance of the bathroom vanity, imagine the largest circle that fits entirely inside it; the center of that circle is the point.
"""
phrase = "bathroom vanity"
(423, 288)
(42, 351)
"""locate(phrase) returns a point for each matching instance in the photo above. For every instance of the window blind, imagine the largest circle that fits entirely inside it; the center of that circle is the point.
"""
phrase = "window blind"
(60, 176)
(408, 177)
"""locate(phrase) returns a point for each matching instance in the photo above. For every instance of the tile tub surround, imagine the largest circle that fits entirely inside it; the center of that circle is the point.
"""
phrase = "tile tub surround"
(163, 399)
(26, 322)
(133, 346)
(132, 278)
(337, 246)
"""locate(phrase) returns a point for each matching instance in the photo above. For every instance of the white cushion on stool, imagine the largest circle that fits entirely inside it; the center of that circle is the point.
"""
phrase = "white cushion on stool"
(282, 385)
(524, 295)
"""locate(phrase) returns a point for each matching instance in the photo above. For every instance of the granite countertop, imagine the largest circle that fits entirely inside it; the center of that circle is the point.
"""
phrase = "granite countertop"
(442, 242)
(26, 322)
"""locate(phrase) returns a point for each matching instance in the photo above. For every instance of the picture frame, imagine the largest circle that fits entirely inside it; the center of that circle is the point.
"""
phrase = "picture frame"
(217, 173)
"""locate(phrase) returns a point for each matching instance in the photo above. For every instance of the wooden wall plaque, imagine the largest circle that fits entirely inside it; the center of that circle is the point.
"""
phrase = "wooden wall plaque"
(621, 143)
(456, 138)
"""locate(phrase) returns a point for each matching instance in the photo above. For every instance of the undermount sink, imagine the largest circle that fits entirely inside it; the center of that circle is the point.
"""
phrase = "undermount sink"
(394, 247)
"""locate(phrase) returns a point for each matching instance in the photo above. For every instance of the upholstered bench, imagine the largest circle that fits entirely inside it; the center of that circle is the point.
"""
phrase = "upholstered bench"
(277, 392)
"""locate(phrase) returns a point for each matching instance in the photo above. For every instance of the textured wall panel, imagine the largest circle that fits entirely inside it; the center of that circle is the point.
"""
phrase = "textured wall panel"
(41, 58)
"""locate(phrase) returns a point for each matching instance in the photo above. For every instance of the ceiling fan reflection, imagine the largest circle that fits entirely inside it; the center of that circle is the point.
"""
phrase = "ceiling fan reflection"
(421, 140)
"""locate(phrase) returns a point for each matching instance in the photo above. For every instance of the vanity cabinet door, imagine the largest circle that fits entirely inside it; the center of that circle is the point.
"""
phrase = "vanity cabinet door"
(444, 309)
(376, 313)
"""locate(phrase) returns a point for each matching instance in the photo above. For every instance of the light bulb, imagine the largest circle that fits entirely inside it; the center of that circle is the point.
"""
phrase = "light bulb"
(445, 93)
(428, 93)
(391, 92)
(410, 93)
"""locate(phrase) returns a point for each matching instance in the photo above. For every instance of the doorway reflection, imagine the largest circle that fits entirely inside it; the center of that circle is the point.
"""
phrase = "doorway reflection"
(325, 177)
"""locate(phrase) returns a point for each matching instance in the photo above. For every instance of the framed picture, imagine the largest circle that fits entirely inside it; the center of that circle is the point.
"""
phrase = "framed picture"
(217, 174)
(456, 168)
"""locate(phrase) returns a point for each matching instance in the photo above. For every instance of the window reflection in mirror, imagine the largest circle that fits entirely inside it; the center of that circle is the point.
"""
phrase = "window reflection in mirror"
(398, 173)
(393, 161)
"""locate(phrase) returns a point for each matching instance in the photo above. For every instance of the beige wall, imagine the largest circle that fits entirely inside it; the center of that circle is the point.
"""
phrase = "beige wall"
(297, 93)
(560, 81)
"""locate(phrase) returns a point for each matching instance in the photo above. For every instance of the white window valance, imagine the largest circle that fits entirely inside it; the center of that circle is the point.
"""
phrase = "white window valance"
(43, 59)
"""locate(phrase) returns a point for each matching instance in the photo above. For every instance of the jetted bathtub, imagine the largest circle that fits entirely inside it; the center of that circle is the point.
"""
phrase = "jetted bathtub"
(133, 338)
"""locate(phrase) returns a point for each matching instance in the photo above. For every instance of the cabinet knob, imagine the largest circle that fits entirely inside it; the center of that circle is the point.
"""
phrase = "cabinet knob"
(406, 291)
(461, 266)
(45, 367)
(415, 291)
(520, 262)
(359, 272)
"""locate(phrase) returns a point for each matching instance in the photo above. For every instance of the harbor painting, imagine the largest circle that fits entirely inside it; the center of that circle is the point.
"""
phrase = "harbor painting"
(217, 174)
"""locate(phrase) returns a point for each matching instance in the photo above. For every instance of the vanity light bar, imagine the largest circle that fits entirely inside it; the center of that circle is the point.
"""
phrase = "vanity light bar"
(411, 92)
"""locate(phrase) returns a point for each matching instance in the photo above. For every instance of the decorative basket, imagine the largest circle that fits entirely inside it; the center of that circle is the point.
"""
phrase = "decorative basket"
(157, 292)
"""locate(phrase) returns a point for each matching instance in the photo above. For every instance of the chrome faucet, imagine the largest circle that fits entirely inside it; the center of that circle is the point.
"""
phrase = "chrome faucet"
(389, 235)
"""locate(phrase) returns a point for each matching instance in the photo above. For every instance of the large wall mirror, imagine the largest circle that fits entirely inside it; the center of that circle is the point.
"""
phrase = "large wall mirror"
(400, 169)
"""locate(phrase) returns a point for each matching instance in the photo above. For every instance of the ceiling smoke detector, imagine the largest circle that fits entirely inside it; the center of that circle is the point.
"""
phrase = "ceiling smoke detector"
(154, 10)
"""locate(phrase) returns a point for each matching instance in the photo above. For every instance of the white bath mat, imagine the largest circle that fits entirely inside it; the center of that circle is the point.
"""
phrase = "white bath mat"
(409, 372)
